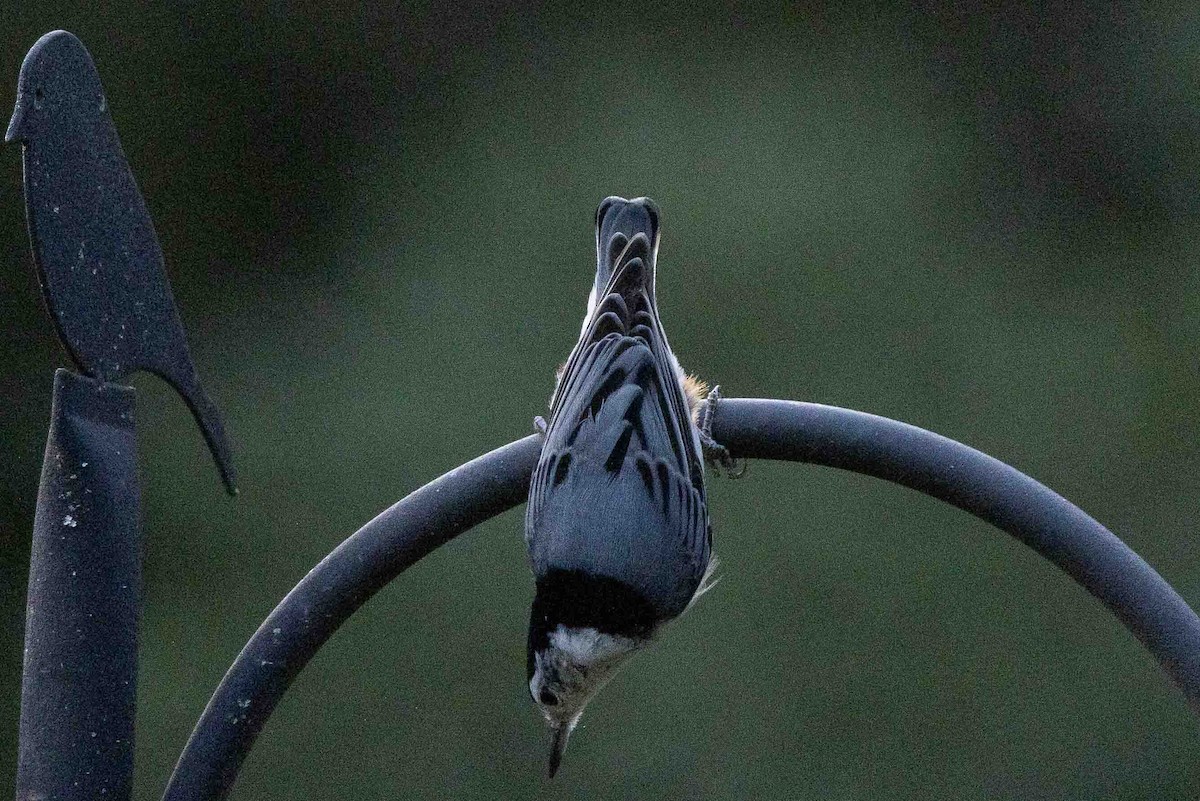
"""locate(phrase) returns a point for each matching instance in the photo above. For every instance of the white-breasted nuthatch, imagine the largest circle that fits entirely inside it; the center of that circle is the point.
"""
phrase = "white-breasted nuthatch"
(617, 524)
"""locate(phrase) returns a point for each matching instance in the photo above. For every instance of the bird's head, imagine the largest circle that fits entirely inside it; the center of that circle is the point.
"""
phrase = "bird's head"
(568, 672)
(582, 629)
(58, 78)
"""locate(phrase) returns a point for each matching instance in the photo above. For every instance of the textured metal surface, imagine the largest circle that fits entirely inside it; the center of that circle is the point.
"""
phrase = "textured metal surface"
(764, 429)
(80, 677)
(98, 259)
(989, 489)
(343, 581)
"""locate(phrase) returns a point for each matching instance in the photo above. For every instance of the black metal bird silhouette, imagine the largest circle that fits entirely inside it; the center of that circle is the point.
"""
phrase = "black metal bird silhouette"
(98, 259)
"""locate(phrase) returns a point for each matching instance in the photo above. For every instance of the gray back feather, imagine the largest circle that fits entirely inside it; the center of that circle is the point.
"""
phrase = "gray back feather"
(619, 488)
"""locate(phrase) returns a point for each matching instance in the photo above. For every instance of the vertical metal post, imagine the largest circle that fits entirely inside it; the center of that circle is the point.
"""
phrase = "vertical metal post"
(101, 272)
(80, 676)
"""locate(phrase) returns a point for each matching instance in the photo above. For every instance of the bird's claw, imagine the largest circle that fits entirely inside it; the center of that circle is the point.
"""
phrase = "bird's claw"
(716, 454)
(539, 425)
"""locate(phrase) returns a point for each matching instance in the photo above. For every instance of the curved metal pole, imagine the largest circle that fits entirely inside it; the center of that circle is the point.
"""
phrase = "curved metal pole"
(343, 581)
(765, 429)
(989, 489)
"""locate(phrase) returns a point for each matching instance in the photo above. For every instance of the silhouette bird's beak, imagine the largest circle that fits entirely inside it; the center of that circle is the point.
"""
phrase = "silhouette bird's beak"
(558, 744)
(14, 133)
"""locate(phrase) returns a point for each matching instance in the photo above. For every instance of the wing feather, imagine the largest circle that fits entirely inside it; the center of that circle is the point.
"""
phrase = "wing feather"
(619, 488)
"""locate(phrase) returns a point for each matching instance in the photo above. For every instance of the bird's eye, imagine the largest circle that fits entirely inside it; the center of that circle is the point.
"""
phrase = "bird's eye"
(548, 698)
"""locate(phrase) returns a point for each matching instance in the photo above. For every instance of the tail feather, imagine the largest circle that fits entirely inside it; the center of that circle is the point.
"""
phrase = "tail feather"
(618, 224)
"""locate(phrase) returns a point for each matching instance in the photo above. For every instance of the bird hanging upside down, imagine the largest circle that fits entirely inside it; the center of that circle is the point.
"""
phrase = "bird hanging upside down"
(617, 524)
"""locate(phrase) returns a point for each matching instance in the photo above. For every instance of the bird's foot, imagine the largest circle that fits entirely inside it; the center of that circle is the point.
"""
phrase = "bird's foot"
(716, 454)
(539, 425)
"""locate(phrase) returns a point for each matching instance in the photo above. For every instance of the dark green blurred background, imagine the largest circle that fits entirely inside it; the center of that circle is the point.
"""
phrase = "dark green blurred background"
(378, 225)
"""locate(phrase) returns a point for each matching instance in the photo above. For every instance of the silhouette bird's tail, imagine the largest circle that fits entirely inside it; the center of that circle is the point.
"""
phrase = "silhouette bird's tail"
(208, 417)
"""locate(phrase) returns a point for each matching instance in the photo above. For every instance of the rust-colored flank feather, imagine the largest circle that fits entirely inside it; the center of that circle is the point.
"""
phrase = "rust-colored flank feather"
(696, 389)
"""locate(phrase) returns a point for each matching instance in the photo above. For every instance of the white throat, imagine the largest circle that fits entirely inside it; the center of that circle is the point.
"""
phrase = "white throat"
(586, 646)
(577, 664)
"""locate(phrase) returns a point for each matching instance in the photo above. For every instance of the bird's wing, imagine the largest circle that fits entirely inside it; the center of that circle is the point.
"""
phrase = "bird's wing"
(619, 487)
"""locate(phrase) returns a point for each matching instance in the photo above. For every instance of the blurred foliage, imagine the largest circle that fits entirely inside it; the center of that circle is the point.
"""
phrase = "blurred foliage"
(378, 225)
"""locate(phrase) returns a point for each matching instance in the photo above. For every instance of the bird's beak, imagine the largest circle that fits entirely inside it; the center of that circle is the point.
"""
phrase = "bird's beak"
(14, 126)
(558, 744)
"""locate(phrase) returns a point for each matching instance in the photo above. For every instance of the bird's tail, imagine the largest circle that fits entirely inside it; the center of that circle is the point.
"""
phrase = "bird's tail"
(208, 417)
(626, 232)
